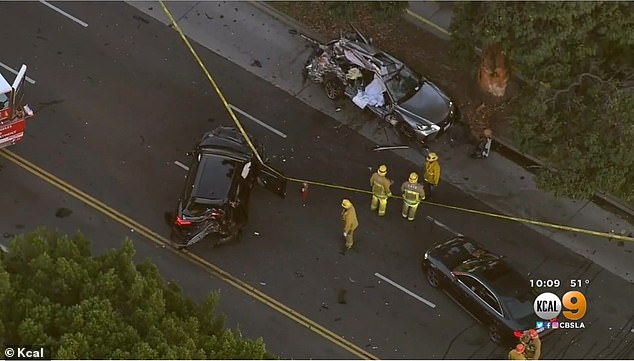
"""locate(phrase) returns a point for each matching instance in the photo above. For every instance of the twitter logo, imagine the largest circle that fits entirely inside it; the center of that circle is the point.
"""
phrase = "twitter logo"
(539, 324)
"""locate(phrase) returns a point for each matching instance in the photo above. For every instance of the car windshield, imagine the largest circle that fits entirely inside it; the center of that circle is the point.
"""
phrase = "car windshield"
(403, 84)
(521, 307)
(197, 207)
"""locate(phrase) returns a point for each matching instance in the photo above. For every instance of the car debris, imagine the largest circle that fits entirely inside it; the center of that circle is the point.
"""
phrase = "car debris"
(390, 147)
(352, 67)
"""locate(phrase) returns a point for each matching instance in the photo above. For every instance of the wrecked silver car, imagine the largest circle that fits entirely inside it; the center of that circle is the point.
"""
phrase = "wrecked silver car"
(350, 66)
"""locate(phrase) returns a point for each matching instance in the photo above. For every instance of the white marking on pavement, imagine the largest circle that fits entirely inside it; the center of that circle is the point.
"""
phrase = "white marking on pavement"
(440, 224)
(78, 21)
(4, 248)
(181, 165)
(15, 72)
(405, 290)
(257, 121)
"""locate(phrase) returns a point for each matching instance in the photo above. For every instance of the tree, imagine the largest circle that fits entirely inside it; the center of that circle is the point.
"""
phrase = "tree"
(106, 307)
(577, 113)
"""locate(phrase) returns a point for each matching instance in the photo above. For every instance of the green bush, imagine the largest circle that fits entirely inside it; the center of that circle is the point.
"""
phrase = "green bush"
(106, 307)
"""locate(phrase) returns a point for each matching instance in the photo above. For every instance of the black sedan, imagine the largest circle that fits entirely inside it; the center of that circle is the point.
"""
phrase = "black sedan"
(485, 285)
(215, 199)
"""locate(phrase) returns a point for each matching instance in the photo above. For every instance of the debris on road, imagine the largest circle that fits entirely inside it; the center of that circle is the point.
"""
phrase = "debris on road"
(263, 283)
(256, 233)
(304, 192)
(63, 212)
(341, 298)
(390, 147)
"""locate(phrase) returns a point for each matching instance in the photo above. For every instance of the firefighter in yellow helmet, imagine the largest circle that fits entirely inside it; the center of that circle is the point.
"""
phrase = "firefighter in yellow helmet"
(350, 222)
(532, 343)
(413, 194)
(432, 173)
(380, 189)
(517, 353)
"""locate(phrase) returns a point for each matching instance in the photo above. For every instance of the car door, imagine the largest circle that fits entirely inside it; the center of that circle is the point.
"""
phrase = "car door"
(468, 293)
(272, 180)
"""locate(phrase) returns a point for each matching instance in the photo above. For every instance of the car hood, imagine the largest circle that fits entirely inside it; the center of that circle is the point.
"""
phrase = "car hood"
(429, 103)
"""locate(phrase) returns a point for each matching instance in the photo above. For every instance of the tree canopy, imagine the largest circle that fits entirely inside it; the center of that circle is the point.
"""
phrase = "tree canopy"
(106, 307)
(578, 112)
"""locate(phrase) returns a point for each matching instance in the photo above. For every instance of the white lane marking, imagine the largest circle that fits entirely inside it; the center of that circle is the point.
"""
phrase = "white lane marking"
(440, 224)
(78, 21)
(4, 248)
(257, 121)
(16, 72)
(181, 165)
(405, 290)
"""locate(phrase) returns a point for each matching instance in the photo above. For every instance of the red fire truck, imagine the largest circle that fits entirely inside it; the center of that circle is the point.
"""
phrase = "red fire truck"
(13, 111)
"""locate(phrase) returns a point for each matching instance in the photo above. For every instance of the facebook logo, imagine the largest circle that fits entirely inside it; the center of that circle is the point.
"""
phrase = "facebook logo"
(539, 324)
(548, 325)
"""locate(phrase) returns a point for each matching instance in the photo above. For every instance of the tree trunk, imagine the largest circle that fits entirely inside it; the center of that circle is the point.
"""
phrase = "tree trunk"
(493, 74)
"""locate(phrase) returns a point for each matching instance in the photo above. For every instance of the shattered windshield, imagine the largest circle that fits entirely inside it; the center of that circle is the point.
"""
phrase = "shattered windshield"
(403, 84)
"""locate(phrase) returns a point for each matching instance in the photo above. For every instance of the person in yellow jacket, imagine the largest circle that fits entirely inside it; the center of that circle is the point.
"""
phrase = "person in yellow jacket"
(350, 222)
(432, 173)
(517, 353)
(413, 194)
(380, 189)
(533, 345)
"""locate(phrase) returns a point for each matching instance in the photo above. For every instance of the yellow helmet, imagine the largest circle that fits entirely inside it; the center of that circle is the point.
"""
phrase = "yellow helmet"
(346, 204)
(432, 157)
(413, 177)
(382, 169)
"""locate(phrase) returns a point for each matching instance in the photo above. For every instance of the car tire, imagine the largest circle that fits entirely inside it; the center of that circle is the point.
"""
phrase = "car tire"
(433, 277)
(332, 86)
(495, 332)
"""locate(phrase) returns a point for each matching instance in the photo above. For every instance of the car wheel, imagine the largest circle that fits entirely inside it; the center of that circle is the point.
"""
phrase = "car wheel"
(332, 87)
(495, 332)
(433, 277)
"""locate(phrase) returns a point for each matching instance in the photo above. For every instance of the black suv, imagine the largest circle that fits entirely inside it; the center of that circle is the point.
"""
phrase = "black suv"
(215, 200)
(485, 285)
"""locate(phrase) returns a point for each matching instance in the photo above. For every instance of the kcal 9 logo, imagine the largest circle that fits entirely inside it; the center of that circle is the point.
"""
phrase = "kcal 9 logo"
(548, 305)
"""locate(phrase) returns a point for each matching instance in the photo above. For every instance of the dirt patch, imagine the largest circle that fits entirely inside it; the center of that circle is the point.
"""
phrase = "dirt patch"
(422, 51)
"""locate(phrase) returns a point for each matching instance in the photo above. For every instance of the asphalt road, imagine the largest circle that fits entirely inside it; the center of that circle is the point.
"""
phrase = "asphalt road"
(119, 101)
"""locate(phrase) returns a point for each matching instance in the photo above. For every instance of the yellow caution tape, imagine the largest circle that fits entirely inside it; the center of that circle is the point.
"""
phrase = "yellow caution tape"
(352, 189)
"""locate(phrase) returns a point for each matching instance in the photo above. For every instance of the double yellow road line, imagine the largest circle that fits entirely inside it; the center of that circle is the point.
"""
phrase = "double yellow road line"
(164, 242)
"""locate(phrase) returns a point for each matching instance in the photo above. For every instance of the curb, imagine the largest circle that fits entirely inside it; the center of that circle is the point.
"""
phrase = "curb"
(613, 201)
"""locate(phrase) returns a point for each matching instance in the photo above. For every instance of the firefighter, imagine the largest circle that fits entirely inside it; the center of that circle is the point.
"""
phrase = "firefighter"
(350, 223)
(380, 190)
(517, 353)
(413, 194)
(533, 345)
(432, 173)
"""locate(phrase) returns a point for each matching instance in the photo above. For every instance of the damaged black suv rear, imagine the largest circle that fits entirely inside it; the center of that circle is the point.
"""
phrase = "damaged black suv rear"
(351, 66)
(215, 200)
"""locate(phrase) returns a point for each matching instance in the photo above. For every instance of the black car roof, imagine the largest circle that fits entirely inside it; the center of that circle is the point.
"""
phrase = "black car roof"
(214, 177)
